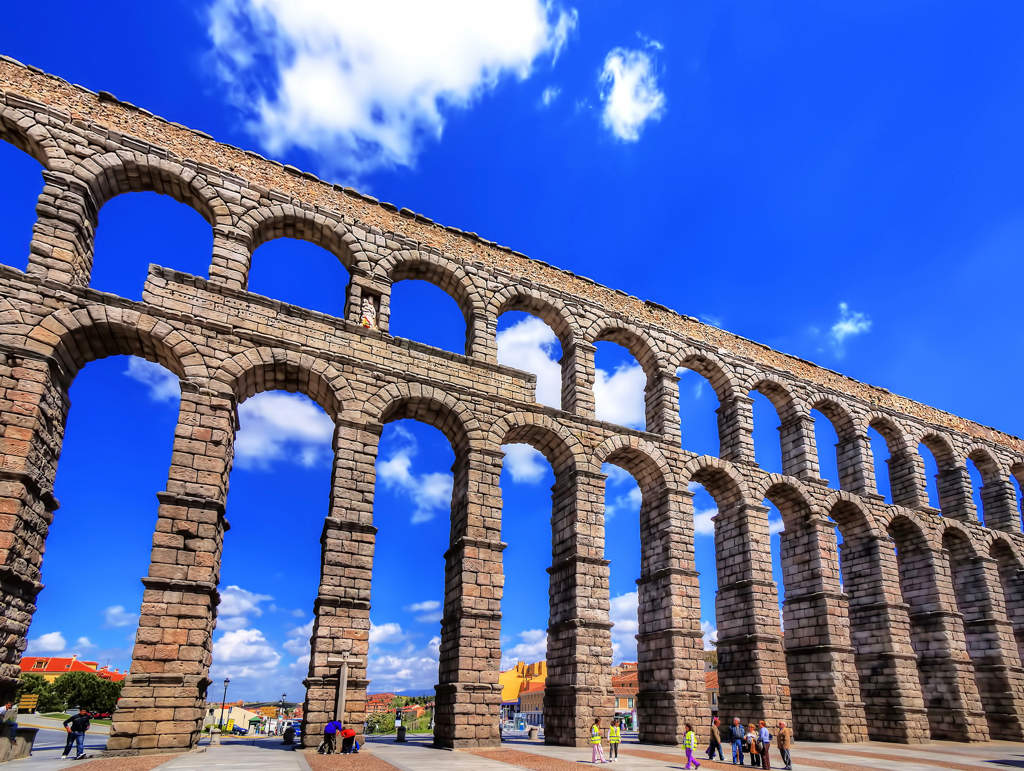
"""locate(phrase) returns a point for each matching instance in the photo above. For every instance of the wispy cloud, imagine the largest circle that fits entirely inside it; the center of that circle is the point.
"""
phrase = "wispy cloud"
(850, 324)
(282, 427)
(623, 614)
(630, 93)
(710, 634)
(532, 647)
(430, 611)
(51, 642)
(367, 85)
(530, 345)
(431, 492)
(526, 464)
(549, 95)
(116, 616)
(163, 384)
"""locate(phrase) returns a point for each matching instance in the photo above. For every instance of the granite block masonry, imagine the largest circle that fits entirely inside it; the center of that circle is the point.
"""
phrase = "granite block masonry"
(909, 629)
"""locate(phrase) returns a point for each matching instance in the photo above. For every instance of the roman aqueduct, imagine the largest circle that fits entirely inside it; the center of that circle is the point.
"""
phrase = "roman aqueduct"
(919, 636)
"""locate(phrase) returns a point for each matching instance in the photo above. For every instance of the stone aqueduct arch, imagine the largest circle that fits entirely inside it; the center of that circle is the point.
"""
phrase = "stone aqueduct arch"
(920, 635)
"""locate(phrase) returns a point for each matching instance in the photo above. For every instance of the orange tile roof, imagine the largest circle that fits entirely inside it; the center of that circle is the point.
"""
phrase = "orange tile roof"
(710, 680)
(630, 676)
(52, 665)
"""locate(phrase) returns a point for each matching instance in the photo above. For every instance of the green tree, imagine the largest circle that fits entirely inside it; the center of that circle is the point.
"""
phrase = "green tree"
(87, 691)
(381, 722)
(37, 684)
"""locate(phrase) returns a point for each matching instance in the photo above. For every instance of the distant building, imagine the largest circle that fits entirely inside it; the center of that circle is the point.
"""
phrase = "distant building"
(531, 704)
(625, 685)
(711, 686)
(513, 681)
(413, 711)
(379, 702)
(52, 668)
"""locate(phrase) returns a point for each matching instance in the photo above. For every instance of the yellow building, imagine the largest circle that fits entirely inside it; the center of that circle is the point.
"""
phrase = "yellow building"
(515, 680)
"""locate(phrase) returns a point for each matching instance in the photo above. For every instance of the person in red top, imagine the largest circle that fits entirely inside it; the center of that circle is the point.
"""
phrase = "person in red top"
(348, 737)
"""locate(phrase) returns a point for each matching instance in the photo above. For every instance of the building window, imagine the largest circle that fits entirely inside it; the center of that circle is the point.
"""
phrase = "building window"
(629, 704)
(39, 665)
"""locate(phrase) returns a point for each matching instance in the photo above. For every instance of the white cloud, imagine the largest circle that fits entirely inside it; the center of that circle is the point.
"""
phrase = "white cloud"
(367, 85)
(532, 648)
(525, 463)
(430, 492)
(116, 616)
(278, 426)
(83, 642)
(236, 601)
(429, 610)
(710, 634)
(164, 385)
(550, 95)
(623, 614)
(244, 653)
(850, 324)
(52, 642)
(775, 526)
(630, 502)
(382, 634)
(410, 669)
(530, 345)
(297, 643)
(702, 524)
(619, 397)
(616, 474)
(629, 90)
(420, 607)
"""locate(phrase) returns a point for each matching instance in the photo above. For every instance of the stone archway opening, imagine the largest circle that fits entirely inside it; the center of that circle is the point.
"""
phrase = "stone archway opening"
(18, 197)
(527, 342)
(302, 273)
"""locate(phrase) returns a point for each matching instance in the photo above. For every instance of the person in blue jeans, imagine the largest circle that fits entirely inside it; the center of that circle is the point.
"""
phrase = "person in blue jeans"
(736, 734)
(76, 727)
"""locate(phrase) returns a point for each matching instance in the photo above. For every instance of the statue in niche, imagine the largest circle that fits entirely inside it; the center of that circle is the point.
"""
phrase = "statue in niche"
(368, 314)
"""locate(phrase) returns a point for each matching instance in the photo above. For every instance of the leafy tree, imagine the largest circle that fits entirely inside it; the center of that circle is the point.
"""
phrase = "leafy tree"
(712, 658)
(381, 722)
(37, 684)
(87, 691)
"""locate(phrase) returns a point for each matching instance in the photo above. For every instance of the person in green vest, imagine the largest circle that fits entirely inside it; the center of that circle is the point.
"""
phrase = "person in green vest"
(597, 752)
(614, 737)
(689, 744)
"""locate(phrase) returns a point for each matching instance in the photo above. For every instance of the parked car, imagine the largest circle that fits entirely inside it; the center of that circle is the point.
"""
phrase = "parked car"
(240, 730)
(296, 724)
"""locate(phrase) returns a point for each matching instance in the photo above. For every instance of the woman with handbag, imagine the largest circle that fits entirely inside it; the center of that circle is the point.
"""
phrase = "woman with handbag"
(750, 742)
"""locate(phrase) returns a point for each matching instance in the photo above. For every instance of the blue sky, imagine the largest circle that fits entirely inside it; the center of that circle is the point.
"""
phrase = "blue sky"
(838, 180)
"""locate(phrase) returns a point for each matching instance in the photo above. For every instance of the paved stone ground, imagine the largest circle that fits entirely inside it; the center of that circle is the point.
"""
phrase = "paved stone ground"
(418, 755)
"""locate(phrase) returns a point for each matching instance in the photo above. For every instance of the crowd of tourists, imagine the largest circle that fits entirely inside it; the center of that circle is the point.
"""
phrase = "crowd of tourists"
(752, 741)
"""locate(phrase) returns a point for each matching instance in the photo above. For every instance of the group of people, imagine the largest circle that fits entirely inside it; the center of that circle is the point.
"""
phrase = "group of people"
(753, 740)
(332, 731)
(614, 739)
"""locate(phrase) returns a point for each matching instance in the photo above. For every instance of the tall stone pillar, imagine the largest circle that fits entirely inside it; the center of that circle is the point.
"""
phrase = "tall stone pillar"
(991, 644)
(799, 455)
(63, 237)
(999, 506)
(578, 686)
(937, 633)
(736, 429)
(670, 648)
(662, 406)
(954, 487)
(880, 632)
(33, 413)
(578, 372)
(231, 257)
(468, 694)
(907, 479)
(341, 613)
(482, 338)
(752, 676)
(855, 466)
(823, 682)
(164, 697)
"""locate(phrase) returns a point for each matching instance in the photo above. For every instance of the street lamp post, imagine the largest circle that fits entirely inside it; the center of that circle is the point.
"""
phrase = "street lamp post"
(224, 702)
(280, 722)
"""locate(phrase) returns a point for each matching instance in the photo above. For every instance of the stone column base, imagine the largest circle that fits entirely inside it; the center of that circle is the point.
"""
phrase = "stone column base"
(666, 714)
(569, 711)
(463, 716)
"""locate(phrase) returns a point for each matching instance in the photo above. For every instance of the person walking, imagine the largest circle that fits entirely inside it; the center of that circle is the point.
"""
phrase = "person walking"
(10, 718)
(76, 727)
(750, 745)
(596, 751)
(614, 738)
(785, 740)
(736, 739)
(716, 742)
(765, 737)
(689, 744)
(330, 743)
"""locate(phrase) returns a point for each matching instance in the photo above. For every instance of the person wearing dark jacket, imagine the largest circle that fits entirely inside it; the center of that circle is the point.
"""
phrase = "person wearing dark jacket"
(76, 726)
(736, 734)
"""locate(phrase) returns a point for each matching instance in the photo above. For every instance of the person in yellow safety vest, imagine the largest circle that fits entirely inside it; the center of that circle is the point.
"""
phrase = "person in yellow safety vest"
(614, 737)
(597, 753)
(689, 744)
